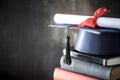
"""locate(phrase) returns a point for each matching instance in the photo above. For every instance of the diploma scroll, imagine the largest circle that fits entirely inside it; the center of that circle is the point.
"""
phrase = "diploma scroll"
(105, 22)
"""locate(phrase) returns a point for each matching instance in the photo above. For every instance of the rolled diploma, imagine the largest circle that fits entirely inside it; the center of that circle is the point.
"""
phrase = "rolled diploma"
(105, 22)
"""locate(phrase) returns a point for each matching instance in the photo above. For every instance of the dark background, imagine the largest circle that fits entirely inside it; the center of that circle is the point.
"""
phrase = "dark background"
(29, 50)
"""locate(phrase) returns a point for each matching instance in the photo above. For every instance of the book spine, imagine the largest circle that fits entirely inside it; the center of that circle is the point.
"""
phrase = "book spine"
(88, 68)
(60, 74)
(85, 57)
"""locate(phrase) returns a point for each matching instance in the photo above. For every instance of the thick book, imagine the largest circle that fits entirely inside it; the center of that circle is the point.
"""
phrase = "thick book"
(60, 74)
(102, 60)
(92, 69)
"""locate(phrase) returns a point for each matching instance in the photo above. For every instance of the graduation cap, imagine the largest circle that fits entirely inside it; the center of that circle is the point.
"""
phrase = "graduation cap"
(90, 22)
(67, 59)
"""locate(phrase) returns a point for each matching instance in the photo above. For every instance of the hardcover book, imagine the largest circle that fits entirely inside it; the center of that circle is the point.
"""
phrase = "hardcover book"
(103, 60)
(92, 69)
(60, 74)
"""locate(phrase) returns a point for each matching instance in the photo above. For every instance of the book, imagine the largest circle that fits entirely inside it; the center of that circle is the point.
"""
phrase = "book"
(60, 74)
(92, 69)
(102, 60)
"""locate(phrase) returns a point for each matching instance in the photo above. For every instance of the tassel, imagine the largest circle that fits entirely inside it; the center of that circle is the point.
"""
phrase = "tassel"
(67, 59)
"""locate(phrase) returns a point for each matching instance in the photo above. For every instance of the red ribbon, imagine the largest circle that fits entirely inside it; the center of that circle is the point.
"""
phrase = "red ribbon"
(91, 22)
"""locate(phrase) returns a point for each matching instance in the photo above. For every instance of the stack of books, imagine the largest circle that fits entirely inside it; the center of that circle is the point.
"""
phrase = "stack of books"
(95, 56)
(96, 53)
(88, 67)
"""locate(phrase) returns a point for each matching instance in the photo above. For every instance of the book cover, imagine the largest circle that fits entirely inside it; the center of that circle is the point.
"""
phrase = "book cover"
(60, 74)
(92, 69)
(103, 60)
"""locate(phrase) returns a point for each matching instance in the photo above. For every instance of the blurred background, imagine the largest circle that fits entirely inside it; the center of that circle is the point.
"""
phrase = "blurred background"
(29, 50)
